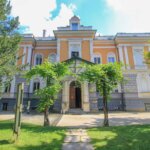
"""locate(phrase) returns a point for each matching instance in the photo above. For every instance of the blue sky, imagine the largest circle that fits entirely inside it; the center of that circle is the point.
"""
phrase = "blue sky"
(107, 16)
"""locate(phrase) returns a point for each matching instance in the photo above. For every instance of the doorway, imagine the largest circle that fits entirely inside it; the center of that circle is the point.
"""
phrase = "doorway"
(5, 106)
(75, 95)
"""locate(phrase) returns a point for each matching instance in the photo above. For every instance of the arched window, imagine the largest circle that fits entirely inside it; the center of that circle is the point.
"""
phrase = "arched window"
(97, 59)
(36, 86)
(38, 59)
(111, 58)
(52, 57)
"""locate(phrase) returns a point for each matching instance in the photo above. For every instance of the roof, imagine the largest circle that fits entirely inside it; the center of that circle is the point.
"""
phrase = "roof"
(78, 58)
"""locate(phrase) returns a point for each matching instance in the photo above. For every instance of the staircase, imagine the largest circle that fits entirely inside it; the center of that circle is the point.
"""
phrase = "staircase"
(76, 111)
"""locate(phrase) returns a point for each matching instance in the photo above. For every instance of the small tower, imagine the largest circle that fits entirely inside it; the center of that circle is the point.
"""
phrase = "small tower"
(74, 23)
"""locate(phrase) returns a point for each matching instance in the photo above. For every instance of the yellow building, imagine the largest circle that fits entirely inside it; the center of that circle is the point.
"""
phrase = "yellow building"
(82, 42)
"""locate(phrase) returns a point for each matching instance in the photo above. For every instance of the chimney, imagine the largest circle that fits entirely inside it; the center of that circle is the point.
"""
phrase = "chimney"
(44, 33)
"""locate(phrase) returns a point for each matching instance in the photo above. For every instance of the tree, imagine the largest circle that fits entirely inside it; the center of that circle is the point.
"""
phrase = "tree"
(147, 57)
(106, 77)
(9, 41)
(52, 74)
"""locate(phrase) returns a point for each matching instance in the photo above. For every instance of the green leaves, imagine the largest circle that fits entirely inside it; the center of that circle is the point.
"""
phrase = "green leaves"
(9, 42)
(147, 57)
(103, 74)
(53, 74)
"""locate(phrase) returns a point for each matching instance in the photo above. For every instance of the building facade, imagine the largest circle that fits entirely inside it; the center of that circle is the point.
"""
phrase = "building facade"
(81, 41)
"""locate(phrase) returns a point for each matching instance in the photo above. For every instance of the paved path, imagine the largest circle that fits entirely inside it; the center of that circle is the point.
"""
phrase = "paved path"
(34, 118)
(94, 120)
(84, 120)
(77, 139)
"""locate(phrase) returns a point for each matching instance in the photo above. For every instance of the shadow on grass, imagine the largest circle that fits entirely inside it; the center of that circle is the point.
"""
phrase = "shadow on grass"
(53, 145)
(32, 137)
(136, 137)
(2, 142)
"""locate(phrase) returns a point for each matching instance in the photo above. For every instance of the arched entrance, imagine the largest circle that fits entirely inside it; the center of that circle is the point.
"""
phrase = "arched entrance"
(75, 95)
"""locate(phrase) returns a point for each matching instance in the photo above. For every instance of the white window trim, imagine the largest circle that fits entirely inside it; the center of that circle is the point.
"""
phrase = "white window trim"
(53, 54)
(70, 51)
(111, 55)
(97, 55)
(133, 51)
(36, 56)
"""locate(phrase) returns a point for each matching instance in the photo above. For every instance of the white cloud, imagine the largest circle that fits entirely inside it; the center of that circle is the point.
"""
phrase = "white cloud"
(37, 14)
(131, 15)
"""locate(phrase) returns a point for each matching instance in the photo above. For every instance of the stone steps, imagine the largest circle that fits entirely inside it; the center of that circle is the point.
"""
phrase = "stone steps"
(76, 111)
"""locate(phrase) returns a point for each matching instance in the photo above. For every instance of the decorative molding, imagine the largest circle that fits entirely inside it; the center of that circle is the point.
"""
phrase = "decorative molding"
(25, 45)
(46, 48)
(133, 45)
(104, 47)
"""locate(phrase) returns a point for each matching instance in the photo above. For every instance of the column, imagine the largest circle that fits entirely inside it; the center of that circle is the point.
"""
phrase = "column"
(121, 54)
(12, 89)
(65, 97)
(31, 86)
(24, 55)
(85, 101)
(126, 57)
(58, 50)
(29, 56)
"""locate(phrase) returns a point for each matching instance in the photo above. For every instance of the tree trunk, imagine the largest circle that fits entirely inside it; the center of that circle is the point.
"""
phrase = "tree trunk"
(46, 119)
(105, 108)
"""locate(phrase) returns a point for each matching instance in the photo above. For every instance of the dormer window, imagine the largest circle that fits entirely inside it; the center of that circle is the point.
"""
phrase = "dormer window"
(74, 26)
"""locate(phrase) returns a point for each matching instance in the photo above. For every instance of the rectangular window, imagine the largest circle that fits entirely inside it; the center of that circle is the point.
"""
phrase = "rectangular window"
(74, 26)
(97, 60)
(139, 58)
(75, 54)
(36, 86)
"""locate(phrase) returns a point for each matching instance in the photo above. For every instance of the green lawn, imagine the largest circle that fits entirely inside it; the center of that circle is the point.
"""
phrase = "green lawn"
(136, 137)
(32, 137)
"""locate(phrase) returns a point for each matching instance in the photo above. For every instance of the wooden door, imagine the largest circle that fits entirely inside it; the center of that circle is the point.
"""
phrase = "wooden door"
(72, 97)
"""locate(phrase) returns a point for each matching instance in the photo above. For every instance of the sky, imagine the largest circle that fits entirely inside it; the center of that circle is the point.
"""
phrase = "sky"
(108, 17)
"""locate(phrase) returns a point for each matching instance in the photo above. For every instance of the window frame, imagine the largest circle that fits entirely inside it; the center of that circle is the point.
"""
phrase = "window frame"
(97, 55)
(35, 86)
(50, 56)
(111, 55)
(35, 58)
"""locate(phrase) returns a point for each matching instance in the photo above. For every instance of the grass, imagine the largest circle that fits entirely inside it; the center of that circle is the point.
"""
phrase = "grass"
(135, 137)
(32, 137)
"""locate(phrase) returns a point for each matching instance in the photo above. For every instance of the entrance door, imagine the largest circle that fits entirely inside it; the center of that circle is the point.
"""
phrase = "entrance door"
(72, 97)
(75, 95)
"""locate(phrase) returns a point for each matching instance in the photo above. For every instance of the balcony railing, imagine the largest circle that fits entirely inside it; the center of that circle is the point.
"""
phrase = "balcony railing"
(136, 67)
